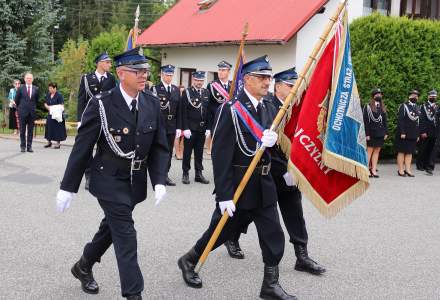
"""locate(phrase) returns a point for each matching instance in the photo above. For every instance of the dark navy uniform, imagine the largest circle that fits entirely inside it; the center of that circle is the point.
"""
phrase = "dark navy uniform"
(408, 124)
(195, 118)
(215, 100)
(90, 86)
(233, 149)
(170, 109)
(376, 125)
(427, 125)
(117, 182)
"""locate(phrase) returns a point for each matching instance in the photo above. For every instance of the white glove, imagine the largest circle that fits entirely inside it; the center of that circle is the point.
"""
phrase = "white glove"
(178, 133)
(207, 132)
(269, 138)
(63, 200)
(289, 179)
(159, 193)
(187, 133)
(79, 124)
(227, 205)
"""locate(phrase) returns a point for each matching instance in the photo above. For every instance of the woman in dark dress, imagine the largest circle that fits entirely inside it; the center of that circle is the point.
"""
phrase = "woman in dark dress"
(407, 133)
(376, 131)
(55, 130)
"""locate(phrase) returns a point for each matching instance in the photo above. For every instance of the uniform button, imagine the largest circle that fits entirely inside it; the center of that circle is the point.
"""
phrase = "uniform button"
(102, 168)
(137, 157)
(137, 146)
(137, 132)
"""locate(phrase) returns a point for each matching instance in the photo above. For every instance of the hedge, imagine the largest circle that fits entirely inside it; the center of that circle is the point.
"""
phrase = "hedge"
(396, 54)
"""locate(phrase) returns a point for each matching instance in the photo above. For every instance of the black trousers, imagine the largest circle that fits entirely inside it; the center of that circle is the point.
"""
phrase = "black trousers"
(26, 120)
(117, 228)
(196, 143)
(270, 233)
(436, 150)
(170, 137)
(289, 201)
(426, 147)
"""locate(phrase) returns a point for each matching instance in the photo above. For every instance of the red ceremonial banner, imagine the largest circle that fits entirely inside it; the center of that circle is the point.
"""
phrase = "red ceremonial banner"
(325, 187)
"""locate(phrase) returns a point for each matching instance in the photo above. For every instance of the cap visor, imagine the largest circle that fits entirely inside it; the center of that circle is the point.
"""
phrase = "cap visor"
(262, 72)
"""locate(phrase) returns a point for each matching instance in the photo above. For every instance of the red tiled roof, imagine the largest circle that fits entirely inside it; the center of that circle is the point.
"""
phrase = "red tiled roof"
(275, 21)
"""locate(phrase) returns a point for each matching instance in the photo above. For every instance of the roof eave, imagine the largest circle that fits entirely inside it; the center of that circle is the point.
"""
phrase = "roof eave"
(222, 43)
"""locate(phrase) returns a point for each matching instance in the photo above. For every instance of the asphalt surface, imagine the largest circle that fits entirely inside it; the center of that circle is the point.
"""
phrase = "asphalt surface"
(386, 245)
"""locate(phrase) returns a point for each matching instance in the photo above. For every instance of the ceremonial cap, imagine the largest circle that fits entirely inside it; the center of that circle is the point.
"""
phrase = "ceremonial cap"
(199, 75)
(133, 58)
(167, 69)
(224, 65)
(102, 57)
(259, 66)
(432, 93)
(376, 91)
(288, 76)
(414, 91)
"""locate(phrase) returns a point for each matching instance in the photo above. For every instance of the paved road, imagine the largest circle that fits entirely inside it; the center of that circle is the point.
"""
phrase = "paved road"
(386, 245)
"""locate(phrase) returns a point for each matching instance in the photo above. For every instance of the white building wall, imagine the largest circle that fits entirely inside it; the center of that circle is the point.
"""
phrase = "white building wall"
(308, 36)
(395, 8)
(206, 58)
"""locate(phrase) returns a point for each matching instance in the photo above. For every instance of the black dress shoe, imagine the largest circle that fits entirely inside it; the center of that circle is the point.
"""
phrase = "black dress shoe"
(409, 174)
(200, 178)
(169, 182)
(82, 270)
(29, 150)
(134, 297)
(187, 263)
(22, 150)
(48, 145)
(429, 172)
(400, 174)
(304, 263)
(234, 249)
(185, 178)
(419, 168)
(271, 289)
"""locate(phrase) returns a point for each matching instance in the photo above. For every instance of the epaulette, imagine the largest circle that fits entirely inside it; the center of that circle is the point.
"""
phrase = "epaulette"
(150, 93)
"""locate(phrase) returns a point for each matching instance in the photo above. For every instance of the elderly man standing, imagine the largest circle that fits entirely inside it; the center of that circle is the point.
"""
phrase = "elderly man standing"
(241, 130)
(26, 100)
(127, 127)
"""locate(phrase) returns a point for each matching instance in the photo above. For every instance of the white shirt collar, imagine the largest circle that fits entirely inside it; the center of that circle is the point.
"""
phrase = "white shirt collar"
(166, 85)
(127, 97)
(100, 75)
(224, 83)
(252, 98)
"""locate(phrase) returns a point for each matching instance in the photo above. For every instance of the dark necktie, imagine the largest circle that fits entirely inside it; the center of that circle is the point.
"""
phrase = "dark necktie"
(133, 108)
(29, 91)
(260, 111)
(225, 86)
(168, 89)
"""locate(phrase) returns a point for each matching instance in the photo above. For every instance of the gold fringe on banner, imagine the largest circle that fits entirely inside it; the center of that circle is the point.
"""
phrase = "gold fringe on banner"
(332, 209)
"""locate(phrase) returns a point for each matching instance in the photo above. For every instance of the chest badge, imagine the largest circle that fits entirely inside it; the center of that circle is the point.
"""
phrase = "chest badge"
(117, 138)
(125, 130)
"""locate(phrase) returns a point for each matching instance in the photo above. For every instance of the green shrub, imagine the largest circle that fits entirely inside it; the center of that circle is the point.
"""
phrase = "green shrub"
(397, 55)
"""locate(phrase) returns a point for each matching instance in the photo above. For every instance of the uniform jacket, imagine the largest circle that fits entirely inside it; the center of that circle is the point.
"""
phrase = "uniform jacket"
(194, 109)
(95, 88)
(375, 129)
(110, 174)
(404, 124)
(230, 163)
(170, 106)
(25, 104)
(427, 119)
(215, 100)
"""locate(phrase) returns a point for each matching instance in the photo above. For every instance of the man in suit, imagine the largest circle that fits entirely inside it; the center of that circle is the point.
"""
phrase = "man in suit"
(235, 142)
(217, 90)
(194, 105)
(289, 197)
(126, 126)
(169, 96)
(26, 100)
(91, 84)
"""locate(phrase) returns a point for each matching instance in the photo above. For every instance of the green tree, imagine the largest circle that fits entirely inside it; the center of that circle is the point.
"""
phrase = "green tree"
(68, 73)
